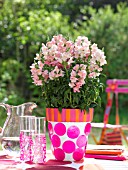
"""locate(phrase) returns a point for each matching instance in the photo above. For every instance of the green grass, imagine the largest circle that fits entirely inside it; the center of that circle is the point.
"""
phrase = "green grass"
(0, 147)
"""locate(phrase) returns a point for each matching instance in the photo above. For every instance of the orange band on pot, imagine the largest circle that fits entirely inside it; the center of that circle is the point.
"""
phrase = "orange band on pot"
(69, 115)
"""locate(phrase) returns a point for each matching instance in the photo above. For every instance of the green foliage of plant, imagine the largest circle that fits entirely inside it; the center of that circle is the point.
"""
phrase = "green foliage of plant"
(57, 94)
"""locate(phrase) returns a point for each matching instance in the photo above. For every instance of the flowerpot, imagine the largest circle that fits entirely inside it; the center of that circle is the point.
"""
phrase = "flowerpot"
(68, 132)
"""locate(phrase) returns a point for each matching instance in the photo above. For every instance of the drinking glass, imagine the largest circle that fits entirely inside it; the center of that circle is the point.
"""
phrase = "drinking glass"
(27, 130)
(39, 142)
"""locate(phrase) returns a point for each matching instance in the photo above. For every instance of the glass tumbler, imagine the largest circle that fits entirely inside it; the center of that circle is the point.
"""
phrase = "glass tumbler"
(39, 142)
(27, 130)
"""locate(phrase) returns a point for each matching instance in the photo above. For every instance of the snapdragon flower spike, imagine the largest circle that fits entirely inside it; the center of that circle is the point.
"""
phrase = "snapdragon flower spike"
(78, 76)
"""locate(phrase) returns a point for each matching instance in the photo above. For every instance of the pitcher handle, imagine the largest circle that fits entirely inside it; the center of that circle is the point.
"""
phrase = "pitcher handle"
(8, 109)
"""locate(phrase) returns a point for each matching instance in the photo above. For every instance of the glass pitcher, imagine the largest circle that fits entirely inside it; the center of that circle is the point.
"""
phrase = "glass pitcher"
(9, 134)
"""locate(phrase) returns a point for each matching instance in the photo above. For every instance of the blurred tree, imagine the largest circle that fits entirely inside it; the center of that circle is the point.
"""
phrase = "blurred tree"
(72, 7)
(24, 26)
(102, 3)
(1, 3)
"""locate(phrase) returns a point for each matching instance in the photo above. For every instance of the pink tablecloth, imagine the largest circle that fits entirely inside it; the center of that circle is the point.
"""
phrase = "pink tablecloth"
(7, 163)
(11, 164)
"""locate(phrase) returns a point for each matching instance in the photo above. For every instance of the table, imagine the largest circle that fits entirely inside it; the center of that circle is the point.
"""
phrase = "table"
(109, 126)
(7, 163)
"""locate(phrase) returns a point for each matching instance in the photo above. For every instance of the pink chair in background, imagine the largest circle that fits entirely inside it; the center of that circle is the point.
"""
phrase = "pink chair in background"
(114, 87)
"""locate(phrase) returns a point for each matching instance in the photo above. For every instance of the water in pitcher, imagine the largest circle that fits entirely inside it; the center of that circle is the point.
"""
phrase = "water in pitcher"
(11, 146)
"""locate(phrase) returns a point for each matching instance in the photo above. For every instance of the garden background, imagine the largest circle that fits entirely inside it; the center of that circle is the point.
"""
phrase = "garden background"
(25, 24)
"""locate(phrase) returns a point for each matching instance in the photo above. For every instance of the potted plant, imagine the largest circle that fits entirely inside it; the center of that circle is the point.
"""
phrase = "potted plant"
(69, 74)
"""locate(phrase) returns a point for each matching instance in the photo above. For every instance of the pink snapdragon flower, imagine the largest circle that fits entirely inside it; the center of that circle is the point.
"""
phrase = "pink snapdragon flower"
(58, 50)
(35, 75)
(44, 50)
(69, 44)
(70, 61)
(82, 48)
(77, 77)
(38, 82)
(56, 73)
(45, 74)
(35, 71)
(59, 38)
(38, 57)
(41, 65)
(93, 75)
(98, 55)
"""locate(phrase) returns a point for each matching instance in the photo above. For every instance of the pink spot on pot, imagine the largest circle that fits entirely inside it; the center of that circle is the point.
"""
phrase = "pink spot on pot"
(50, 128)
(68, 146)
(81, 141)
(73, 132)
(60, 129)
(55, 141)
(59, 154)
(87, 128)
(78, 154)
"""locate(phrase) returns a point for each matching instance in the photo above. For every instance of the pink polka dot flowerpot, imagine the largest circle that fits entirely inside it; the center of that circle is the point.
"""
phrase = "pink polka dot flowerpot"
(68, 132)
(69, 139)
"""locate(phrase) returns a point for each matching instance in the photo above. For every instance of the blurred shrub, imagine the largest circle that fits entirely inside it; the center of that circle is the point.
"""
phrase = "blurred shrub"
(109, 30)
(24, 26)
(9, 92)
